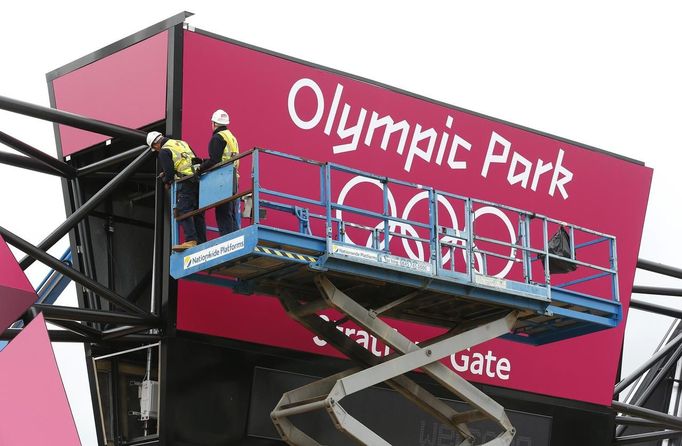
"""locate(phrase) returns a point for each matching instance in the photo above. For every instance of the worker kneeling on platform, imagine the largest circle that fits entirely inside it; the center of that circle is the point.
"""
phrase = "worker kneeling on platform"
(176, 159)
(222, 147)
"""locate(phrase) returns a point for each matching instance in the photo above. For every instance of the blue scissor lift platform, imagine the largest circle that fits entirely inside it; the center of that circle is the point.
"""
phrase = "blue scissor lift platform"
(441, 262)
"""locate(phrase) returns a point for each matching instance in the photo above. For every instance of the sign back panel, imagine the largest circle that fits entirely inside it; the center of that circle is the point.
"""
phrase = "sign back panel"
(129, 86)
(279, 103)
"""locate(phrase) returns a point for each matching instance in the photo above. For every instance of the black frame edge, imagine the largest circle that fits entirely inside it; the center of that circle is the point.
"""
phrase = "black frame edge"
(168, 286)
(119, 45)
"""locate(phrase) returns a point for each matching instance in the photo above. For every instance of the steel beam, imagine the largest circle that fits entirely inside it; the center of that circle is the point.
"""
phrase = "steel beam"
(647, 437)
(660, 291)
(82, 245)
(69, 272)
(661, 373)
(634, 421)
(97, 166)
(158, 247)
(122, 220)
(25, 162)
(78, 328)
(660, 268)
(72, 120)
(119, 332)
(654, 308)
(82, 211)
(51, 162)
(625, 382)
(666, 420)
(69, 336)
(138, 177)
(57, 312)
(55, 335)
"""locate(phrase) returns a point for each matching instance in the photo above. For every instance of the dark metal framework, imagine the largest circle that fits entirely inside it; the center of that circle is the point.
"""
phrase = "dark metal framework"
(133, 318)
(651, 408)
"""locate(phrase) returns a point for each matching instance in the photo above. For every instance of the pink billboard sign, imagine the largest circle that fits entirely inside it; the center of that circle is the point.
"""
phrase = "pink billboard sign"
(127, 88)
(16, 292)
(34, 409)
(289, 106)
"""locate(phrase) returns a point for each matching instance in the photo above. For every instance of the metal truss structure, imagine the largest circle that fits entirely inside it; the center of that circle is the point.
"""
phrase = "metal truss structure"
(651, 411)
(129, 323)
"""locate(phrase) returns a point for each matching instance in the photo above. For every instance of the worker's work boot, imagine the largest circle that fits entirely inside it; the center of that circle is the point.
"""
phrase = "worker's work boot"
(181, 247)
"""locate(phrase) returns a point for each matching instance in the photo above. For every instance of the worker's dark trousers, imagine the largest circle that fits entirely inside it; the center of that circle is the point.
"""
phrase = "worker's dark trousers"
(187, 196)
(226, 216)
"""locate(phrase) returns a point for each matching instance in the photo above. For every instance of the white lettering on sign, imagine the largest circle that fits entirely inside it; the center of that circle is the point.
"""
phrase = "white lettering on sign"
(481, 364)
(363, 338)
(418, 143)
(213, 252)
(521, 174)
(300, 123)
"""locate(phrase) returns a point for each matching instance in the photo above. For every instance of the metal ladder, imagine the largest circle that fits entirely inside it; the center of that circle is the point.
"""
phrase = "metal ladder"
(327, 394)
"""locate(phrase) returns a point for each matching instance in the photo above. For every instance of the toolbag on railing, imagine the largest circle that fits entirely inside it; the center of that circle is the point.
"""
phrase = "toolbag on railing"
(559, 245)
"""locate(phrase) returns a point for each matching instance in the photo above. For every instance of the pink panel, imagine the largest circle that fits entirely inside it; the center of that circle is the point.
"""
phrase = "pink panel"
(127, 88)
(34, 409)
(310, 112)
(16, 292)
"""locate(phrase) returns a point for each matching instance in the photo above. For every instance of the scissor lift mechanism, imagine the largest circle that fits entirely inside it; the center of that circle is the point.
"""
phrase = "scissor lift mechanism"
(327, 393)
(312, 267)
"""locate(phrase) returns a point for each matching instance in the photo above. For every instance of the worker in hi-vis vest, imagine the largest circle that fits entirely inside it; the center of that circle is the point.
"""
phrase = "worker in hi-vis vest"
(176, 159)
(223, 146)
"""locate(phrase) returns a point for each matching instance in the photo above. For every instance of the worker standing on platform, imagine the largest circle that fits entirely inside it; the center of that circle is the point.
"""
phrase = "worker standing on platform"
(223, 146)
(176, 158)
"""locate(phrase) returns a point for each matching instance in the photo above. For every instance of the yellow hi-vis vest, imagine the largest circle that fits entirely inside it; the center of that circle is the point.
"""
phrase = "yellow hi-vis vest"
(182, 156)
(231, 147)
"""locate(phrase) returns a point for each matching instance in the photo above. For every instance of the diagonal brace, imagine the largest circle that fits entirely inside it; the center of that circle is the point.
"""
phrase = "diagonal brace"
(71, 273)
(93, 202)
(60, 167)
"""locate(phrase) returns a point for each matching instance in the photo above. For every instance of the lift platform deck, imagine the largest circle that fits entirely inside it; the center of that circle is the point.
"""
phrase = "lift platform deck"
(272, 254)
(424, 267)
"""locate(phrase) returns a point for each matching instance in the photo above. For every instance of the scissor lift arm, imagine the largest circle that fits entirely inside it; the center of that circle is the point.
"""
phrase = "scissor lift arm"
(326, 394)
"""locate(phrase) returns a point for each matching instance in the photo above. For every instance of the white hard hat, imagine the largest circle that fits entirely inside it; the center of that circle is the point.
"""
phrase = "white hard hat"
(151, 137)
(220, 117)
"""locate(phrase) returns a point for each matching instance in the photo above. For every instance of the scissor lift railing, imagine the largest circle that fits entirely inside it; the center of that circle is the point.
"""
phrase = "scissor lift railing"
(424, 267)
